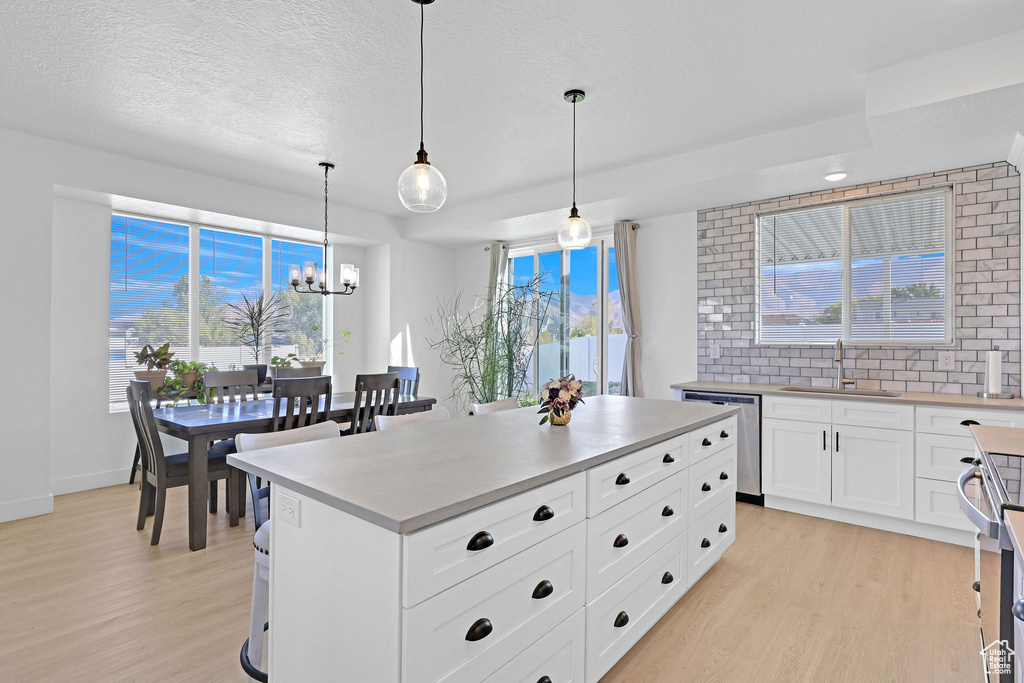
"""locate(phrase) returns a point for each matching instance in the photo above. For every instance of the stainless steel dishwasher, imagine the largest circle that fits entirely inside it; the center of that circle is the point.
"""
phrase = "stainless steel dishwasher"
(748, 445)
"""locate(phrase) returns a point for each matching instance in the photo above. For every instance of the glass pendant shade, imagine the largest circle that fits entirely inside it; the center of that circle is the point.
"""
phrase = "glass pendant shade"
(422, 188)
(574, 233)
(349, 275)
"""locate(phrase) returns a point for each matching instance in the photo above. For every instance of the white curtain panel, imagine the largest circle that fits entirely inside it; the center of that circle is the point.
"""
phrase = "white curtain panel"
(498, 269)
(625, 264)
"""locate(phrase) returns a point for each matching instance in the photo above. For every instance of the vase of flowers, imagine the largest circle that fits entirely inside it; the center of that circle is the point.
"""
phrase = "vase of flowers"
(558, 398)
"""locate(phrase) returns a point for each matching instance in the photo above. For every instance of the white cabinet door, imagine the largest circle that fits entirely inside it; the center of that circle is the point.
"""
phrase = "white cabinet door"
(796, 460)
(873, 470)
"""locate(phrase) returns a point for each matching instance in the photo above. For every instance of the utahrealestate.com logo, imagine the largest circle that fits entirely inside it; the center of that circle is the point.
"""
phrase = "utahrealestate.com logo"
(998, 657)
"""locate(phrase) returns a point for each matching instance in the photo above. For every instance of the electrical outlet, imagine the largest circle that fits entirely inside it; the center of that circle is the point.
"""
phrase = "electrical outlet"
(715, 350)
(945, 360)
(288, 509)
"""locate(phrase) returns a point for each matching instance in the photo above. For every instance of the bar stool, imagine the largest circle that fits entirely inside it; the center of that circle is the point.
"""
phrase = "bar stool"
(252, 648)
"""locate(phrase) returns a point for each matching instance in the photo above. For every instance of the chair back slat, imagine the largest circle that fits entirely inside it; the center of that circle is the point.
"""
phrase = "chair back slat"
(375, 395)
(291, 373)
(151, 449)
(301, 402)
(409, 379)
(229, 384)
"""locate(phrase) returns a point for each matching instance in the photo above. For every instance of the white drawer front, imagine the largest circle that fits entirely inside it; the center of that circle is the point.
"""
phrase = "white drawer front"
(617, 480)
(622, 538)
(709, 538)
(642, 597)
(712, 481)
(804, 409)
(438, 557)
(558, 655)
(941, 456)
(936, 503)
(709, 440)
(436, 632)
(950, 420)
(872, 414)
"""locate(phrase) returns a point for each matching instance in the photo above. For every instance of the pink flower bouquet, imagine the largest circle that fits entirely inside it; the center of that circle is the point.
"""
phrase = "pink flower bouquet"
(559, 397)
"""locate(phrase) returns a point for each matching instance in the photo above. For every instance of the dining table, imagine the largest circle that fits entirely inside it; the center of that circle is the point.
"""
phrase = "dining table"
(199, 425)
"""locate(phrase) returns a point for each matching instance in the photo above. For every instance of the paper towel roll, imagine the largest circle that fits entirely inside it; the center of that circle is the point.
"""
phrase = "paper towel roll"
(994, 372)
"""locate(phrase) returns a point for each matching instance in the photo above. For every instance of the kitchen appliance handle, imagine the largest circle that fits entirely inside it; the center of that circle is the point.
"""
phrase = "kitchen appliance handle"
(989, 527)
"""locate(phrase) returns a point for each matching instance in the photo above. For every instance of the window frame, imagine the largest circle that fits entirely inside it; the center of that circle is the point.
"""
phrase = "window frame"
(949, 338)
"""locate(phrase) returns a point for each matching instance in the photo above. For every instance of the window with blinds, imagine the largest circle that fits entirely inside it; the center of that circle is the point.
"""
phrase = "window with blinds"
(303, 332)
(230, 266)
(873, 271)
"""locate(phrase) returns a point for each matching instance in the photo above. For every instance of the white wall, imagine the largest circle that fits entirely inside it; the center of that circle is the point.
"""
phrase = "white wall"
(667, 280)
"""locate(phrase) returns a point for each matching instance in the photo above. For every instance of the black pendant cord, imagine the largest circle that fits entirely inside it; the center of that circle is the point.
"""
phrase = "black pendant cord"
(326, 169)
(574, 152)
(421, 76)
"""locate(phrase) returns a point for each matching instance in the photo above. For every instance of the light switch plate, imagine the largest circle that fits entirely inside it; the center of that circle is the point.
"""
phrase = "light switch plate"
(945, 360)
(715, 350)
(288, 509)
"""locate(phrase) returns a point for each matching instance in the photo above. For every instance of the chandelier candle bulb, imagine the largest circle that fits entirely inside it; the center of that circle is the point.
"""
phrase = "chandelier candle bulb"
(294, 275)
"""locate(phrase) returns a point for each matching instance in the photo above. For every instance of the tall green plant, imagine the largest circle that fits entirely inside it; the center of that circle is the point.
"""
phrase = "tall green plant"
(256, 321)
(489, 348)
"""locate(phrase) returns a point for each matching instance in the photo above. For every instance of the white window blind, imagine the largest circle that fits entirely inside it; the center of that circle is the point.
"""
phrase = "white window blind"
(304, 332)
(230, 265)
(869, 271)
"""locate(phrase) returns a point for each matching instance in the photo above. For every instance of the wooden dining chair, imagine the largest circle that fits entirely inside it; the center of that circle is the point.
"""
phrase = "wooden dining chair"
(495, 406)
(292, 373)
(161, 472)
(408, 378)
(228, 386)
(298, 403)
(375, 395)
(384, 422)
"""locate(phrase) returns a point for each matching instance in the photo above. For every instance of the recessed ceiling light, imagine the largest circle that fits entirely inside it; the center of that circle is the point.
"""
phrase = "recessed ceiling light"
(834, 177)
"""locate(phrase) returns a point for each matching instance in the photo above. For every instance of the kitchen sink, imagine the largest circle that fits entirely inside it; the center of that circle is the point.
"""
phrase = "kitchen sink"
(848, 392)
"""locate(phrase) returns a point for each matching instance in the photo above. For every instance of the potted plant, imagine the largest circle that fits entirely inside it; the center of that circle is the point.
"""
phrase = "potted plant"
(257, 321)
(316, 360)
(558, 398)
(279, 362)
(188, 378)
(156, 362)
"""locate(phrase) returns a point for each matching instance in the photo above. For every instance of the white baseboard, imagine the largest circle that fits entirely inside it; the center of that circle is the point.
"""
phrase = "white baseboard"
(94, 480)
(30, 507)
(893, 524)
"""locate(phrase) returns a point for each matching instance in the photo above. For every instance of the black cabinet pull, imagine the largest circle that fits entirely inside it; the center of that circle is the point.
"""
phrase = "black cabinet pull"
(621, 620)
(480, 629)
(668, 458)
(543, 514)
(668, 511)
(543, 590)
(705, 442)
(706, 487)
(724, 434)
(705, 543)
(837, 442)
(967, 460)
(620, 541)
(480, 541)
(722, 528)
(824, 439)
(544, 679)
(723, 476)
(1018, 609)
(976, 586)
(968, 423)
(668, 578)
(622, 479)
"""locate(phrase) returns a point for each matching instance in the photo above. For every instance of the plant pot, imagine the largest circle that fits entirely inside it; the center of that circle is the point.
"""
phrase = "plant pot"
(318, 364)
(560, 420)
(261, 372)
(188, 379)
(156, 379)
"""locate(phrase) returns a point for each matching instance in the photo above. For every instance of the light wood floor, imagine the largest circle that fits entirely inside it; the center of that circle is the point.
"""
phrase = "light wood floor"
(85, 598)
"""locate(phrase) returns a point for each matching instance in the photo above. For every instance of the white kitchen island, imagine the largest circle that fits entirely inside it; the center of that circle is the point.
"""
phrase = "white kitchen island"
(492, 548)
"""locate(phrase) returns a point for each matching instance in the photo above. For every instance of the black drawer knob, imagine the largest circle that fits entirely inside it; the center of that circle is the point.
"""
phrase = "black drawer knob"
(976, 586)
(620, 541)
(1018, 609)
(543, 514)
(480, 629)
(668, 578)
(722, 528)
(544, 679)
(724, 434)
(480, 541)
(705, 543)
(622, 479)
(706, 487)
(668, 511)
(668, 458)
(723, 476)
(705, 442)
(967, 461)
(621, 620)
(543, 590)
(968, 423)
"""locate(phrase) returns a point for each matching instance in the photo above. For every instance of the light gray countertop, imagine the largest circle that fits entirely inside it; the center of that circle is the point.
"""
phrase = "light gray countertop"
(408, 478)
(907, 397)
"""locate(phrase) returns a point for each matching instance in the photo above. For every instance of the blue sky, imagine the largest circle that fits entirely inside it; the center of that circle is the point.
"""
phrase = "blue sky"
(582, 269)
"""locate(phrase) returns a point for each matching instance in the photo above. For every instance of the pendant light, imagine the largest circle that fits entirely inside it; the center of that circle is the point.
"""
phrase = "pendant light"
(574, 232)
(309, 272)
(421, 187)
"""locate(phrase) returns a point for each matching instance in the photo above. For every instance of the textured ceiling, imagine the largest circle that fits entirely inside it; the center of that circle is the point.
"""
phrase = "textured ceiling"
(259, 91)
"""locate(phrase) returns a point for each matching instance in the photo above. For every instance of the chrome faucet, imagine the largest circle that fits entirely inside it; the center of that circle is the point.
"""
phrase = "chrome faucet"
(841, 381)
